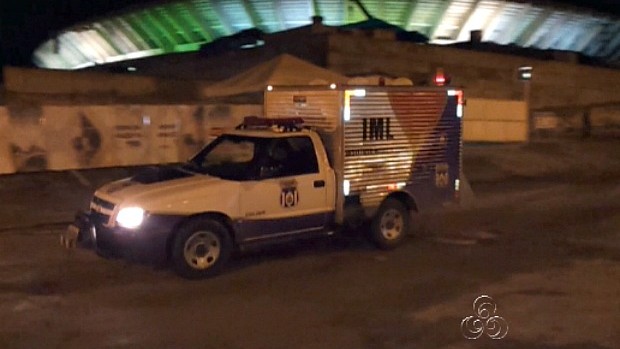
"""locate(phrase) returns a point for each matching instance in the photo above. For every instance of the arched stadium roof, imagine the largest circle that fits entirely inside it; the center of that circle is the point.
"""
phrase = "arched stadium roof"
(185, 25)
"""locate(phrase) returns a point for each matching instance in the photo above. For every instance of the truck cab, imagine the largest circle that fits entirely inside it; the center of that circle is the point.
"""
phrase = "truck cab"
(260, 183)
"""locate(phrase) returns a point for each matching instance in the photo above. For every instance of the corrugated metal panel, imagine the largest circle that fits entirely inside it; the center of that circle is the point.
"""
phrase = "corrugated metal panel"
(478, 19)
(572, 29)
(393, 10)
(266, 10)
(121, 29)
(500, 29)
(599, 44)
(113, 35)
(296, 13)
(169, 27)
(449, 26)
(180, 16)
(543, 31)
(209, 15)
(237, 18)
(71, 53)
(97, 44)
(425, 12)
(332, 11)
(590, 29)
(372, 165)
(528, 18)
(388, 10)
(608, 35)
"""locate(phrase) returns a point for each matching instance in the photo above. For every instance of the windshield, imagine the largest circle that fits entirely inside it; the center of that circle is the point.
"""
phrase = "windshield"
(230, 157)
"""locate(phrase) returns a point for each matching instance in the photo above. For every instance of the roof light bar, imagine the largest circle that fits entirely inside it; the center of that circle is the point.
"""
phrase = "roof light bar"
(258, 122)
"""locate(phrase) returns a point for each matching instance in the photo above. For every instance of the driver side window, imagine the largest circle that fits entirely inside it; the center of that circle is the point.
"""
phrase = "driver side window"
(229, 152)
(292, 156)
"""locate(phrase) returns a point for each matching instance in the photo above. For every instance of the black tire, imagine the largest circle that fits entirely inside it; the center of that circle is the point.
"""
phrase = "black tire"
(390, 224)
(201, 248)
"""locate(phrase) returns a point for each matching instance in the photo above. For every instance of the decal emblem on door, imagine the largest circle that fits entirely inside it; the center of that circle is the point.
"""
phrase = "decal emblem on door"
(289, 197)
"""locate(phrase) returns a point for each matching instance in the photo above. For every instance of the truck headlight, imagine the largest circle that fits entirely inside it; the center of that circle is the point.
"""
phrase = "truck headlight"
(130, 217)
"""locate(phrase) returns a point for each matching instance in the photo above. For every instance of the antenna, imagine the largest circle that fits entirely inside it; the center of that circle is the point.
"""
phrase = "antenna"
(361, 6)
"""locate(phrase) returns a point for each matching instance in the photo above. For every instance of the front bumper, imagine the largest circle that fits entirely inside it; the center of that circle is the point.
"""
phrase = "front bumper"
(147, 244)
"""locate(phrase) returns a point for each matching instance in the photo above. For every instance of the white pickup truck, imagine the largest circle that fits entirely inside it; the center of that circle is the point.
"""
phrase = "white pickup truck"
(322, 159)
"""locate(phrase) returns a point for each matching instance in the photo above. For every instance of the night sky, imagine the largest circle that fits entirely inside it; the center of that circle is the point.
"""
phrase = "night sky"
(27, 23)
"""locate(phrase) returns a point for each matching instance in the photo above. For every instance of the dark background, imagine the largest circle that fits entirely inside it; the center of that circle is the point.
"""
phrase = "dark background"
(27, 23)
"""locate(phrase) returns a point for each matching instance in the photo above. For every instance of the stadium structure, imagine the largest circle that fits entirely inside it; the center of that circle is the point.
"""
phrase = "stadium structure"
(166, 27)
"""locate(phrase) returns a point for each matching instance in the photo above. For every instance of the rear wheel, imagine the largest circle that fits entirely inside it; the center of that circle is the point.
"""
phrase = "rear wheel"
(201, 248)
(390, 224)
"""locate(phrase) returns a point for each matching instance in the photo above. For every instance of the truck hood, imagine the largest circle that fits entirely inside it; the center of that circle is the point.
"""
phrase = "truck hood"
(169, 190)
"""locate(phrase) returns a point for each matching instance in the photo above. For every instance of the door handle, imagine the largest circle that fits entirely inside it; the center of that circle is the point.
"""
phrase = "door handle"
(319, 184)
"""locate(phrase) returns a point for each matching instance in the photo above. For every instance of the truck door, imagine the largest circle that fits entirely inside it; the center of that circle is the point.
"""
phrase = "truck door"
(289, 197)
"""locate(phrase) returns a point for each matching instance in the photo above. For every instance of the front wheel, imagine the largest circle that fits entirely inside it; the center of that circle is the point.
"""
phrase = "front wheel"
(201, 248)
(390, 224)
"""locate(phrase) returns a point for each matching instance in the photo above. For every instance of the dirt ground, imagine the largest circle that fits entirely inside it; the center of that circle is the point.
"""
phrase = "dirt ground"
(541, 237)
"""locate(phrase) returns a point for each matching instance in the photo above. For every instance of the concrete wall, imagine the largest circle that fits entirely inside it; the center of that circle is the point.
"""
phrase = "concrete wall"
(24, 80)
(73, 137)
(482, 74)
(100, 85)
(604, 120)
(492, 120)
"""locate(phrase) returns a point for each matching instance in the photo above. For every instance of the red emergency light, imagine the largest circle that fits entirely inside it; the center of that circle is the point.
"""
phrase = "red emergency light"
(440, 78)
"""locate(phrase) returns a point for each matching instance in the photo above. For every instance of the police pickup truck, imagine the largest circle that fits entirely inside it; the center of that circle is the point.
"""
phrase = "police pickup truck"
(321, 160)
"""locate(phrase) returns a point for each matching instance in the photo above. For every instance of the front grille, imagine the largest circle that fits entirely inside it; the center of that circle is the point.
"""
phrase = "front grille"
(101, 211)
(99, 219)
(106, 205)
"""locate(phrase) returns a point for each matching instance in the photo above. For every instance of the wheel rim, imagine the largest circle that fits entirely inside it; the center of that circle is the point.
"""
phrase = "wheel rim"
(391, 224)
(202, 250)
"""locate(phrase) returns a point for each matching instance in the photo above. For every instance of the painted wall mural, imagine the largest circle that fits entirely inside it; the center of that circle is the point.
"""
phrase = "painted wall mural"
(79, 137)
(88, 142)
(25, 138)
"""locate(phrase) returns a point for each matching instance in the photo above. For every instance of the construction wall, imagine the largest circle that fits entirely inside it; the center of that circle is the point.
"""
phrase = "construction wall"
(61, 137)
(25, 80)
(494, 120)
(78, 137)
(595, 120)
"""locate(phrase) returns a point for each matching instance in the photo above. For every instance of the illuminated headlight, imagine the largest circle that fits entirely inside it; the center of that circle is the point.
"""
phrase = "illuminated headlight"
(130, 217)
